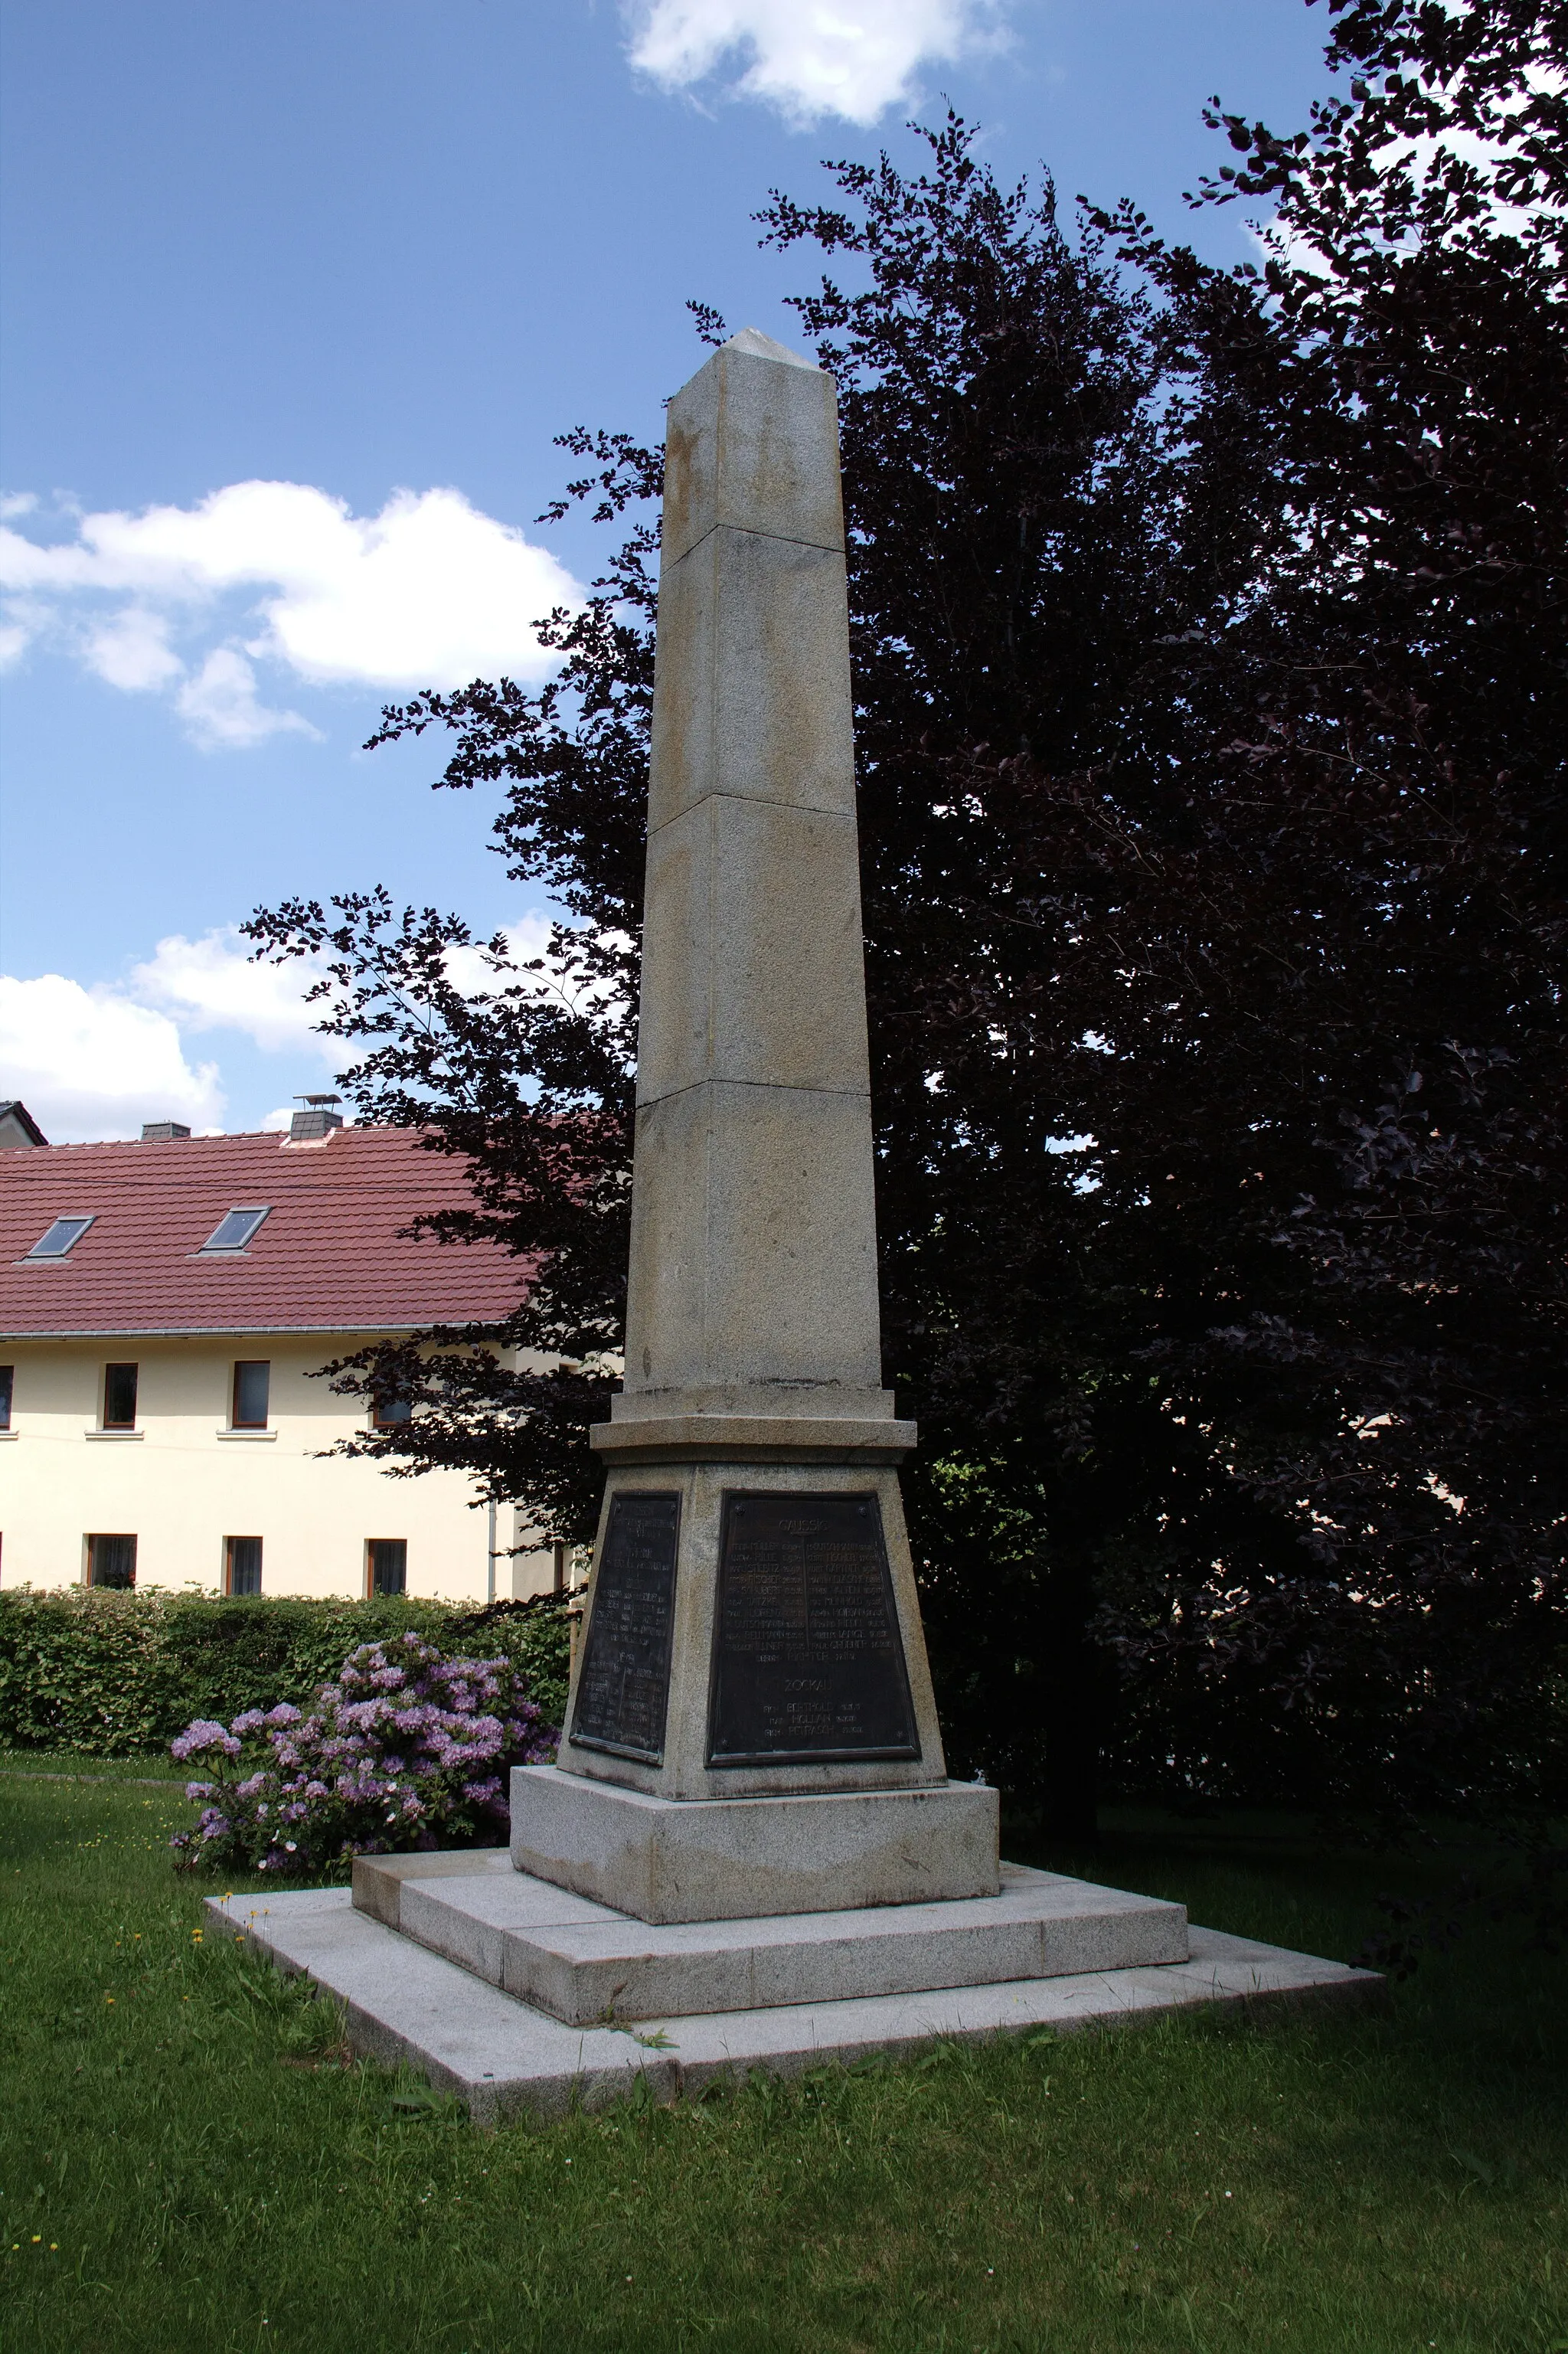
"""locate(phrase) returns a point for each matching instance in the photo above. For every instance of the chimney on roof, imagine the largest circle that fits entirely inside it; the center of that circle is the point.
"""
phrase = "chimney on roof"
(162, 1131)
(317, 1119)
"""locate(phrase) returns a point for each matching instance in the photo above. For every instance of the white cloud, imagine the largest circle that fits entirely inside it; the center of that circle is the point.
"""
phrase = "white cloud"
(279, 1122)
(89, 1062)
(429, 592)
(808, 57)
(17, 631)
(1424, 157)
(212, 984)
(131, 649)
(471, 970)
(94, 1063)
(222, 710)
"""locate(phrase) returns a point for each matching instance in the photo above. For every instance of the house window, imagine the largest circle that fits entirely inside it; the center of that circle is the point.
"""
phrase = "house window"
(234, 1230)
(252, 1385)
(7, 1381)
(61, 1237)
(391, 1413)
(242, 1564)
(112, 1562)
(119, 1397)
(386, 1565)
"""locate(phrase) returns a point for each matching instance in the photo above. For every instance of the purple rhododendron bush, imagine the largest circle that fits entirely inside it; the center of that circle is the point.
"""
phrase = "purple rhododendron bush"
(408, 1749)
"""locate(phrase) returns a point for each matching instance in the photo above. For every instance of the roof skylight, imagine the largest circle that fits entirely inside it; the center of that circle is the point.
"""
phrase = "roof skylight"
(234, 1230)
(62, 1238)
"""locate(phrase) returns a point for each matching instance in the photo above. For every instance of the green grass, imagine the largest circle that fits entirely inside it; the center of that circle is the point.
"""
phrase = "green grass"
(189, 2161)
(57, 1763)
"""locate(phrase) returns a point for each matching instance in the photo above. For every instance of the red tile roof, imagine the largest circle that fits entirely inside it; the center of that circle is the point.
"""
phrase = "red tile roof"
(329, 1259)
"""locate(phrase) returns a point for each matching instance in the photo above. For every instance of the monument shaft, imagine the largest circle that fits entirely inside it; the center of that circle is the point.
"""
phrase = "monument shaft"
(752, 1638)
(753, 1275)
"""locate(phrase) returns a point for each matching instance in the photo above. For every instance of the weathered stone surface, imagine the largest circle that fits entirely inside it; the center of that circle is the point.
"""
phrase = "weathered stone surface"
(706, 1859)
(752, 698)
(752, 440)
(377, 1880)
(753, 1275)
(402, 2003)
(753, 1282)
(772, 898)
(502, 2057)
(719, 1437)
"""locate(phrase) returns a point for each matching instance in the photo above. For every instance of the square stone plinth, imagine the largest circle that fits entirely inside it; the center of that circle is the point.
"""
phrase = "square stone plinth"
(728, 1859)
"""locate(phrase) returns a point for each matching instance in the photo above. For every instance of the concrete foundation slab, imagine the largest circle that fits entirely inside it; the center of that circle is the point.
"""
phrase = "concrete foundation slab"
(588, 1965)
(501, 2057)
(737, 1859)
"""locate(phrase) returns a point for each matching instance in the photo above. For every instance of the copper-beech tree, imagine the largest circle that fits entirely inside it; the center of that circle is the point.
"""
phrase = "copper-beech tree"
(1211, 667)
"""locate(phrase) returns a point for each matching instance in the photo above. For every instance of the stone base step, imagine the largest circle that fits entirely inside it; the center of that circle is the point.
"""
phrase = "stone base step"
(501, 2057)
(588, 1965)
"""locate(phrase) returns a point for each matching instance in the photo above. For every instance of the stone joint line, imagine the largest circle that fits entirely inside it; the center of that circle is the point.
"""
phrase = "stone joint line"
(753, 801)
(750, 531)
(775, 1086)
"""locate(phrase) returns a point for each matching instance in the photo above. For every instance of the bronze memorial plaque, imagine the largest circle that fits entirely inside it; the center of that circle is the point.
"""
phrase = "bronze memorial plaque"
(808, 1659)
(624, 1687)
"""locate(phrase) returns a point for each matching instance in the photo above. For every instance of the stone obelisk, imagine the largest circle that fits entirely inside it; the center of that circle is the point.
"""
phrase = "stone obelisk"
(750, 1728)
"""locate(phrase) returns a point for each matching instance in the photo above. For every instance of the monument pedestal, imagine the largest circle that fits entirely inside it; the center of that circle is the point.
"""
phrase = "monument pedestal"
(751, 1729)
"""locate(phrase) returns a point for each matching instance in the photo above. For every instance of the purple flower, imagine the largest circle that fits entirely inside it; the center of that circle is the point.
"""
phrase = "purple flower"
(404, 1749)
(203, 1734)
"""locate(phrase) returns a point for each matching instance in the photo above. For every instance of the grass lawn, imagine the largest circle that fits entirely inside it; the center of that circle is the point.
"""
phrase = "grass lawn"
(72, 1765)
(189, 2161)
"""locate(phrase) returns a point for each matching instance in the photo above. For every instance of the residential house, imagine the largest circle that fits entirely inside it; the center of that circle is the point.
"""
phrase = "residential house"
(166, 1308)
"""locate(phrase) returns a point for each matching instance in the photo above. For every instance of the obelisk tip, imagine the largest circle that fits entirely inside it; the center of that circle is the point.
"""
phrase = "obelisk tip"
(755, 344)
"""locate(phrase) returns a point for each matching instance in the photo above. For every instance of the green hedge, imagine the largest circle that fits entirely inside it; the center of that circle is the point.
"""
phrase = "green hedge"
(119, 1674)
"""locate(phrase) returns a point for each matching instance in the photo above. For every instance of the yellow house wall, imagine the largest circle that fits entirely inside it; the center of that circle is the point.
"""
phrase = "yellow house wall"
(184, 1483)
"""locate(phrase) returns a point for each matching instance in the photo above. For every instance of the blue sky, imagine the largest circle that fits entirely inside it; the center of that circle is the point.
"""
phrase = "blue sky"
(296, 295)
